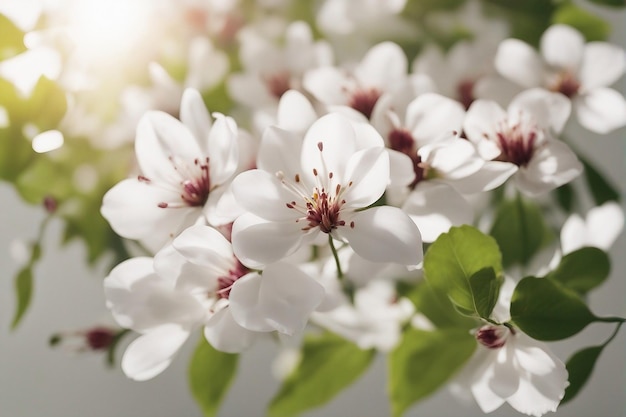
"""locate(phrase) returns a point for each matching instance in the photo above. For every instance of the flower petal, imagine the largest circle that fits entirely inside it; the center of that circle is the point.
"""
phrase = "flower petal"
(205, 246)
(224, 334)
(384, 234)
(279, 300)
(481, 119)
(337, 138)
(520, 63)
(223, 149)
(604, 225)
(264, 195)
(257, 242)
(277, 150)
(562, 47)
(602, 65)
(601, 110)
(430, 115)
(368, 174)
(492, 175)
(383, 67)
(295, 112)
(151, 353)
(132, 209)
(548, 110)
(325, 84)
(194, 115)
(435, 207)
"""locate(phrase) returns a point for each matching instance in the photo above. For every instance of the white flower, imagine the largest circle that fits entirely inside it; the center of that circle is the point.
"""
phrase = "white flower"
(518, 143)
(427, 135)
(508, 366)
(600, 228)
(383, 70)
(185, 168)
(343, 169)
(198, 282)
(270, 70)
(375, 319)
(582, 72)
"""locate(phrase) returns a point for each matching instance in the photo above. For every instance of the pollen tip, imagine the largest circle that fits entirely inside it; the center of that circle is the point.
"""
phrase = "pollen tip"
(162, 205)
(320, 146)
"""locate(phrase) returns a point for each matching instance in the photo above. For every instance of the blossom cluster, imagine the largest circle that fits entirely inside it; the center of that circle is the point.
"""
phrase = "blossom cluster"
(351, 187)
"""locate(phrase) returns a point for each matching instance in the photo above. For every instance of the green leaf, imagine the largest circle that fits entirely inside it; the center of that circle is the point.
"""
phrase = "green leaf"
(485, 285)
(592, 26)
(454, 257)
(423, 362)
(435, 305)
(24, 284)
(582, 270)
(24, 292)
(579, 368)
(601, 188)
(520, 230)
(565, 196)
(547, 311)
(211, 373)
(329, 364)
(11, 39)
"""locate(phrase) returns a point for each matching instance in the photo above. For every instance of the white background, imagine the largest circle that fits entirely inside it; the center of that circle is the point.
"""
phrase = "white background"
(36, 381)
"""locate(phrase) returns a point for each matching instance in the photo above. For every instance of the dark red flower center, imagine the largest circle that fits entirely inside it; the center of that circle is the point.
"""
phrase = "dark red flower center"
(364, 100)
(225, 283)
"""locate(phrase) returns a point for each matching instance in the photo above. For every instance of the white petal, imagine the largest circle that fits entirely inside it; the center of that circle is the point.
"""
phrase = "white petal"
(224, 334)
(603, 64)
(435, 207)
(170, 135)
(223, 149)
(552, 165)
(325, 84)
(281, 299)
(520, 63)
(430, 115)
(249, 90)
(150, 354)
(148, 301)
(207, 65)
(384, 234)
(492, 175)
(153, 159)
(401, 172)
(383, 66)
(278, 150)
(562, 47)
(548, 110)
(573, 234)
(506, 375)
(132, 209)
(194, 115)
(481, 119)
(368, 172)
(337, 138)
(601, 110)
(263, 194)
(604, 225)
(257, 242)
(295, 112)
(205, 246)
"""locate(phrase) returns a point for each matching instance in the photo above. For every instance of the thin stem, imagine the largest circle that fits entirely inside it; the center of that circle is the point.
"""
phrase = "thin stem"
(610, 339)
(611, 319)
(347, 287)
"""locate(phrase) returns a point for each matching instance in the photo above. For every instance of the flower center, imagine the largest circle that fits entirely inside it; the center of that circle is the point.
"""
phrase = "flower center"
(493, 337)
(225, 283)
(517, 143)
(566, 84)
(465, 92)
(364, 100)
(278, 83)
(401, 140)
(321, 207)
(195, 185)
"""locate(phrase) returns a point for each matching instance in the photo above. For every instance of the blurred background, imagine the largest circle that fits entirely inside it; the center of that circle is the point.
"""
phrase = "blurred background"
(38, 381)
